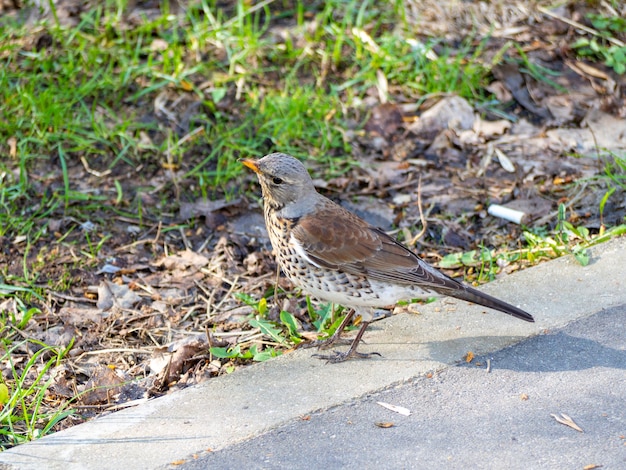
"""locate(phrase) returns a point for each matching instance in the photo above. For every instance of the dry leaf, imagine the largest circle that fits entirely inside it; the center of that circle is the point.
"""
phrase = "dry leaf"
(159, 45)
(80, 316)
(183, 260)
(12, 141)
(581, 67)
(398, 409)
(384, 121)
(469, 356)
(110, 294)
(102, 387)
(567, 421)
(367, 40)
(450, 113)
(384, 425)
(489, 129)
(186, 85)
(505, 161)
(382, 86)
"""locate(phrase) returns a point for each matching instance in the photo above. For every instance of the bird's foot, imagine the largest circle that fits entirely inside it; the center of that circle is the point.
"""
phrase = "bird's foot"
(337, 356)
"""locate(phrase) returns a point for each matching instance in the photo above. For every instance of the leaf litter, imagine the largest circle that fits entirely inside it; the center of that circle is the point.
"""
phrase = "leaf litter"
(567, 421)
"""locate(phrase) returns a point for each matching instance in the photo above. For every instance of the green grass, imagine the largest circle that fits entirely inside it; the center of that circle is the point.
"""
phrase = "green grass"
(614, 170)
(25, 409)
(86, 95)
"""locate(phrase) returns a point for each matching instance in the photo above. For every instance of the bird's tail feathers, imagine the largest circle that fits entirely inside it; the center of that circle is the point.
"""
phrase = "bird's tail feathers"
(480, 298)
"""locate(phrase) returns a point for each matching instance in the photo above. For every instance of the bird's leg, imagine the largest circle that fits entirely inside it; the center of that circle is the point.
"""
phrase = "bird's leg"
(350, 353)
(334, 338)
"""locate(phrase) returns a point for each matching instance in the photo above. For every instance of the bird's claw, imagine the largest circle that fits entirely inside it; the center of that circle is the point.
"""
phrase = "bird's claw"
(337, 356)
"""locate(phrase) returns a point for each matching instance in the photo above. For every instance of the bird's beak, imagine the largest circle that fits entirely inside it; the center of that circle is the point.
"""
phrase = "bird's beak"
(251, 164)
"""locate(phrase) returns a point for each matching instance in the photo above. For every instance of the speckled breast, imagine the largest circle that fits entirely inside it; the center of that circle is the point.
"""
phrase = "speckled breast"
(330, 285)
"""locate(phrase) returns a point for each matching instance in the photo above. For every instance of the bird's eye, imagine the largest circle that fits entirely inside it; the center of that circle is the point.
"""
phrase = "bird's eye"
(277, 180)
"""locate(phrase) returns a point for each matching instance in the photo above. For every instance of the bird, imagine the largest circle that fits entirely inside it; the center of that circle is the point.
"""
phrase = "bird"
(335, 256)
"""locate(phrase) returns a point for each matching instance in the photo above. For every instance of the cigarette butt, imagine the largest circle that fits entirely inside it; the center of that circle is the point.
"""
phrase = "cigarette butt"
(505, 213)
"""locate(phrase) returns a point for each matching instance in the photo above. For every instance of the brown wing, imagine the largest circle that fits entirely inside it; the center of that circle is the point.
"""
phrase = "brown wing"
(337, 239)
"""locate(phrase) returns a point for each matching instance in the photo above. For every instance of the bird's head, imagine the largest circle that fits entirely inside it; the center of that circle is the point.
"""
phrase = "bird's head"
(284, 180)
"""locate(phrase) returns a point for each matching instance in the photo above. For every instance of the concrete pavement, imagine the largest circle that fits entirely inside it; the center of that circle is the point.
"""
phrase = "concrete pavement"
(250, 406)
(464, 417)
